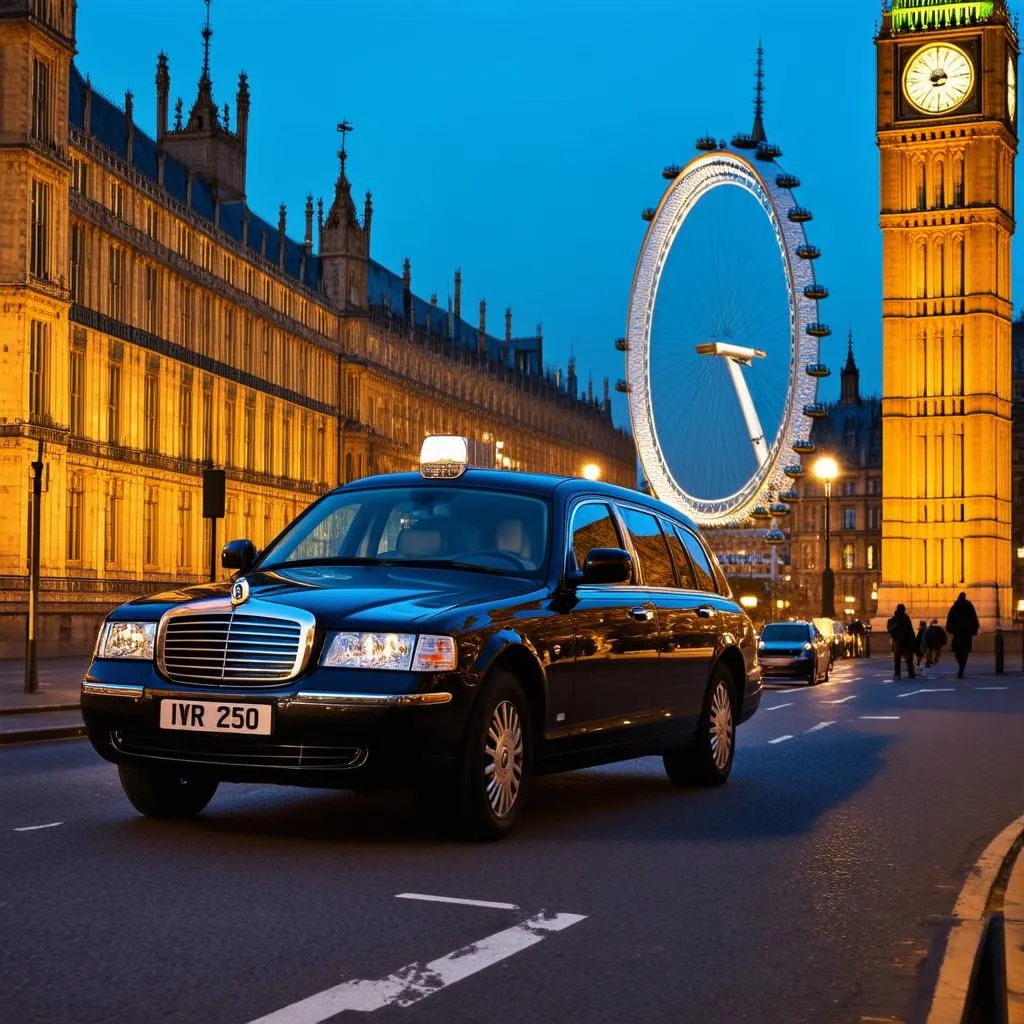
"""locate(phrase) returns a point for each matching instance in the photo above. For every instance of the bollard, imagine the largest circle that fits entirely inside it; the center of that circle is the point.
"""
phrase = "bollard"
(999, 651)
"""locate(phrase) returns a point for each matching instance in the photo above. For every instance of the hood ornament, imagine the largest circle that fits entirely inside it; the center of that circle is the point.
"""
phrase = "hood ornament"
(239, 592)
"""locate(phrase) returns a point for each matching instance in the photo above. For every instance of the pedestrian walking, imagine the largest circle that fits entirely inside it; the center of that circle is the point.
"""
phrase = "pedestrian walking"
(962, 626)
(904, 641)
(934, 640)
(919, 653)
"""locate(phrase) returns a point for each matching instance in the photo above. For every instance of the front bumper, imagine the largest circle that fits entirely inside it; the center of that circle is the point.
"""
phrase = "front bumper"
(785, 666)
(337, 737)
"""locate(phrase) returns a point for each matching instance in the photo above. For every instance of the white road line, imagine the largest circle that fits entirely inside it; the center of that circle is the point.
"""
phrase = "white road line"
(880, 718)
(820, 725)
(991, 687)
(778, 707)
(455, 899)
(35, 828)
(912, 693)
(841, 700)
(416, 981)
(780, 739)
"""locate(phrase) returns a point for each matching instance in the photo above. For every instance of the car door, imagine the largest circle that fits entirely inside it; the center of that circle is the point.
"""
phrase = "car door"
(616, 631)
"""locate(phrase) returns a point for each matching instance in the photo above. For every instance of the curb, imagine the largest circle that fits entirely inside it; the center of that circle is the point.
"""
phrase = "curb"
(27, 710)
(973, 937)
(43, 732)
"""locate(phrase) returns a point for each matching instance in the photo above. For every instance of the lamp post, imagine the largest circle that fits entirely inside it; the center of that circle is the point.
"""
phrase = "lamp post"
(826, 469)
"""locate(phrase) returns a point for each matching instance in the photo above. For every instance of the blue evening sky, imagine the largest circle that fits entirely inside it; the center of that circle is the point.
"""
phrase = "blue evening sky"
(520, 141)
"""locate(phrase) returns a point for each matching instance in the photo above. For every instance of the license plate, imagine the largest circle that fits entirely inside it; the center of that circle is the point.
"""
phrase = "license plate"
(214, 716)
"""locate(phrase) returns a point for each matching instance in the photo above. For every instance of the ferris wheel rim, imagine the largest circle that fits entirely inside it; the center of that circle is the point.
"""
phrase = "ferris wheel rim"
(700, 176)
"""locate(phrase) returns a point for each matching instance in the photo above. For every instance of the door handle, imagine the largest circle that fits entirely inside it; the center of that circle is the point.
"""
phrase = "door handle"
(706, 611)
(641, 614)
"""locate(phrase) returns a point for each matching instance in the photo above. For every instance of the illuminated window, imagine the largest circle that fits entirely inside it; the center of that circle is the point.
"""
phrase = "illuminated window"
(848, 556)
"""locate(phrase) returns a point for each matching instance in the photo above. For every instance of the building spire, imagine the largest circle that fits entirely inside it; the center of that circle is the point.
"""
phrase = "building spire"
(759, 132)
(207, 33)
(344, 127)
(849, 377)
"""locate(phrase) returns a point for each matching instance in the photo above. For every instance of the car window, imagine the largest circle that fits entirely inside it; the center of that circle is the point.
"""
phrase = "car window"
(684, 570)
(701, 563)
(794, 632)
(592, 527)
(650, 547)
(495, 531)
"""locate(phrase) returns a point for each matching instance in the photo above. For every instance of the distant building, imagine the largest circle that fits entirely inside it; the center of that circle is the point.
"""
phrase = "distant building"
(851, 431)
(152, 326)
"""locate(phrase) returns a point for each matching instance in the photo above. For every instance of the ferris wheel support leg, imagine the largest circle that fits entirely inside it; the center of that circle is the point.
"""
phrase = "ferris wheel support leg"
(749, 412)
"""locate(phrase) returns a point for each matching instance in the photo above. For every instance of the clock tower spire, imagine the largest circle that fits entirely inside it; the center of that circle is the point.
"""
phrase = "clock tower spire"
(947, 136)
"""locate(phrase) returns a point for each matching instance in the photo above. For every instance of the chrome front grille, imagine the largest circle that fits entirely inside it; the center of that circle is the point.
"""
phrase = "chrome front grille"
(233, 648)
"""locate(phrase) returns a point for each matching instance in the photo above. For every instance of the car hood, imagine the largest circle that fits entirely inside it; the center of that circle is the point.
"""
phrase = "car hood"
(781, 646)
(364, 597)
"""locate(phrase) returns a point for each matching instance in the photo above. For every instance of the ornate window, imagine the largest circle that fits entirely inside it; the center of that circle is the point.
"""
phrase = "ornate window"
(150, 527)
(77, 272)
(117, 292)
(113, 403)
(184, 529)
(849, 517)
(848, 556)
(38, 370)
(152, 300)
(76, 391)
(185, 420)
(42, 100)
(76, 517)
(39, 239)
(79, 176)
(151, 412)
(870, 557)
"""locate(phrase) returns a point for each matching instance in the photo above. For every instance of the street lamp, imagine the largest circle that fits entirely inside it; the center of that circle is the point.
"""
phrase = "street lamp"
(826, 469)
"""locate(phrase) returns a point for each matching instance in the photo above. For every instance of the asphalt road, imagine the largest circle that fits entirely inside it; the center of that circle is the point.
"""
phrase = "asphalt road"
(807, 889)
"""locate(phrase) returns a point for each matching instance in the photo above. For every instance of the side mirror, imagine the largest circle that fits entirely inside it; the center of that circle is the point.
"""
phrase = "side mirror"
(238, 554)
(607, 565)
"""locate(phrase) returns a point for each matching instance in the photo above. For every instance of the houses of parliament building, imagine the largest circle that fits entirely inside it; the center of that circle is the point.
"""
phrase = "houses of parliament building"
(153, 326)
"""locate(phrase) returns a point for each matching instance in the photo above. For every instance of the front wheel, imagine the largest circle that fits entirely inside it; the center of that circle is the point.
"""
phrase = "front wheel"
(707, 759)
(162, 793)
(497, 758)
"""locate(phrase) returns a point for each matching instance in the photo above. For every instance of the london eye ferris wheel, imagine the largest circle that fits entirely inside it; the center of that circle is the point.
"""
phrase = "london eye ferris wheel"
(723, 332)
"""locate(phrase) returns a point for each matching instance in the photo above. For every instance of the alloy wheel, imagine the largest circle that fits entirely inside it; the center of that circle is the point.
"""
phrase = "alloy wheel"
(720, 725)
(503, 758)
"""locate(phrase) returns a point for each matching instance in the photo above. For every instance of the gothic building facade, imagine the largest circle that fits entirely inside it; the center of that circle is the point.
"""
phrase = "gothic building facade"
(152, 326)
(851, 432)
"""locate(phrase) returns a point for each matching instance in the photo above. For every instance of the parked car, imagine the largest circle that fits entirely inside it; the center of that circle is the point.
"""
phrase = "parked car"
(794, 649)
(460, 629)
(832, 631)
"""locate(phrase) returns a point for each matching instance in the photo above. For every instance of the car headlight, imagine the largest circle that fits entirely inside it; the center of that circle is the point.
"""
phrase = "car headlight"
(760, 645)
(395, 652)
(127, 640)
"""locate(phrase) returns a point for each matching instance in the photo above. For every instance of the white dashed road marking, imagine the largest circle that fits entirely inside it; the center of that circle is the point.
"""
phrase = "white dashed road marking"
(780, 739)
(841, 700)
(455, 899)
(416, 981)
(35, 828)
(820, 725)
(777, 707)
(914, 693)
(991, 687)
(880, 718)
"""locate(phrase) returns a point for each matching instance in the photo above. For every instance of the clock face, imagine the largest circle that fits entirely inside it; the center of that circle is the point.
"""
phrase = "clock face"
(938, 78)
(1011, 89)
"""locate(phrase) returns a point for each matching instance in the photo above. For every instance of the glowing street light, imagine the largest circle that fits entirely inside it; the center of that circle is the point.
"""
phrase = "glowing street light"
(826, 469)
(591, 471)
(749, 601)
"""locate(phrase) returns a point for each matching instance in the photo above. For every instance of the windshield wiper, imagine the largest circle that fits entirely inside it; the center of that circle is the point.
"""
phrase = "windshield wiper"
(299, 563)
(445, 563)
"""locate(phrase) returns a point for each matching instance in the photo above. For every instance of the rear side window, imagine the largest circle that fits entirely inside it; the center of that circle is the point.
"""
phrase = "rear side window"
(650, 547)
(682, 561)
(699, 559)
(592, 527)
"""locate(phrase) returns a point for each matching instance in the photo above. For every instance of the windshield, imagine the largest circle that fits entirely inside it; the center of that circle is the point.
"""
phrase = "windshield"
(435, 526)
(794, 632)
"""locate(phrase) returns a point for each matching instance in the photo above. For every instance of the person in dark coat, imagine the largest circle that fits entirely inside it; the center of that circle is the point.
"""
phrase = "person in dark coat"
(934, 641)
(962, 626)
(904, 641)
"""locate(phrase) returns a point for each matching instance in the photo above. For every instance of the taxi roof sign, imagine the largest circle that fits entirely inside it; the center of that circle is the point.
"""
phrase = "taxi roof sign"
(443, 456)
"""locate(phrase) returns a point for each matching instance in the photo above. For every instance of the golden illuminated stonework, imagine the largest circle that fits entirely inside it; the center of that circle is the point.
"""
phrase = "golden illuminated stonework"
(947, 215)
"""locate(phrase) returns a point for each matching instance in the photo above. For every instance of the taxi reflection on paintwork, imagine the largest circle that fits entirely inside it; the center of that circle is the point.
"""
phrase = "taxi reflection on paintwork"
(459, 629)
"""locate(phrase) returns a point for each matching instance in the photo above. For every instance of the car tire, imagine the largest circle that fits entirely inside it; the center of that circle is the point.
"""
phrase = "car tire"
(495, 771)
(707, 759)
(162, 793)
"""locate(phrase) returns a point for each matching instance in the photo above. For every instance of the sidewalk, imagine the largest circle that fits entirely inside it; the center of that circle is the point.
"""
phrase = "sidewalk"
(50, 713)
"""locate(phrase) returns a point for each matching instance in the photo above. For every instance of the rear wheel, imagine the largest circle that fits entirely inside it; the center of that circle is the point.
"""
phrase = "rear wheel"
(163, 793)
(495, 773)
(707, 759)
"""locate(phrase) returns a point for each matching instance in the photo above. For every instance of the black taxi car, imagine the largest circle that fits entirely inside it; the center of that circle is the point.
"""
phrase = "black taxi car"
(459, 628)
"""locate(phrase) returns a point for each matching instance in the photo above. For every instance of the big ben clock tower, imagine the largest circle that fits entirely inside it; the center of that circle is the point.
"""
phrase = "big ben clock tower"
(947, 135)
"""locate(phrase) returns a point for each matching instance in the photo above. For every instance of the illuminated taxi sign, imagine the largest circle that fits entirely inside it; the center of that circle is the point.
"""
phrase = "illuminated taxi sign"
(443, 457)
